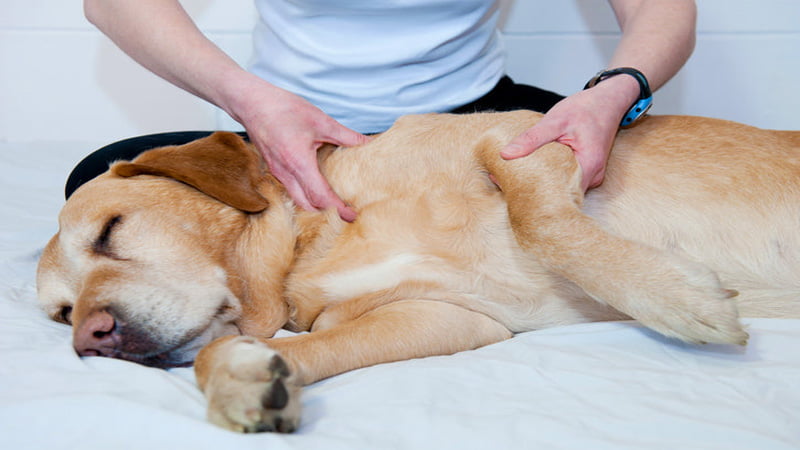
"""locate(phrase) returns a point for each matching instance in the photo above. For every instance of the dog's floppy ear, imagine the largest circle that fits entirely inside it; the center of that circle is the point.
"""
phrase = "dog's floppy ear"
(221, 165)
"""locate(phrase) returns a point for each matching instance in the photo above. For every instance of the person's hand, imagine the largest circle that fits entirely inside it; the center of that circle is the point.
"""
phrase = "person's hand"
(285, 128)
(586, 121)
(288, 131)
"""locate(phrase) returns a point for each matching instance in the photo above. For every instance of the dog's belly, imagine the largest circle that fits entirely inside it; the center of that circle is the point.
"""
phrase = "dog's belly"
(464, 254)
(508, 287)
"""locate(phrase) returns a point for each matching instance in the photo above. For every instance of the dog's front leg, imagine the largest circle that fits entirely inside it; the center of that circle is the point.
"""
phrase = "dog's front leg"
(672, 295)
(254, 385)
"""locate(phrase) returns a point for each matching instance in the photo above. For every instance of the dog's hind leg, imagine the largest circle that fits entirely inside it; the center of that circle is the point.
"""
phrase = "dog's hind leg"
(253, 385)
(674, 296)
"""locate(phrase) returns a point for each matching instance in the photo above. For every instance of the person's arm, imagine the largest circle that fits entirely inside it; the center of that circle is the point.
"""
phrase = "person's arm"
(286, 129)
(658, 37)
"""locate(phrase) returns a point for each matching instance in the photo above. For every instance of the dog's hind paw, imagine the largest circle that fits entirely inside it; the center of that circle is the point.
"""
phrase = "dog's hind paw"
(702, 328)
(696, 309)
(252, 390)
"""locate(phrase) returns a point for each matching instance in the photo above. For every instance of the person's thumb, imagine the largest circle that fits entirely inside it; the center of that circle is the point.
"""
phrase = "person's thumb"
(341, 135)
(529, 141)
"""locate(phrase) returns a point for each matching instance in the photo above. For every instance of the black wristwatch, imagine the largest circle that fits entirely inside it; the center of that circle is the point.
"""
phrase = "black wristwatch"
(641, 105)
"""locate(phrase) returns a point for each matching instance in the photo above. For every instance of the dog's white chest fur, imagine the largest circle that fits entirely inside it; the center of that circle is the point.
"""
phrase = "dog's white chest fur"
(386, 274)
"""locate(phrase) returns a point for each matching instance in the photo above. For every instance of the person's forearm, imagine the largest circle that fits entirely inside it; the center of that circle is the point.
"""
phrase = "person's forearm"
(657, 39)
(159, 35)
(658, 36)
(286, 129)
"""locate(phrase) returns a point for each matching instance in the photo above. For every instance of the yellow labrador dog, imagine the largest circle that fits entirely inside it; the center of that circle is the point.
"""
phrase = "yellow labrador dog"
(197, 248)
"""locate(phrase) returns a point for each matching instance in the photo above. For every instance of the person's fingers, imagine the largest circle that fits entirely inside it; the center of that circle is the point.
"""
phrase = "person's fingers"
(321, 195)
(290, 183)
(592, 164)
(290, 150)
(312, 189)
(531, 139)
(590, 160)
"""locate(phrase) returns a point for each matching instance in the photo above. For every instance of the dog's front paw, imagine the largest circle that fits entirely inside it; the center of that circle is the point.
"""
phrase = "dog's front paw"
(694, 307)
(252, 390)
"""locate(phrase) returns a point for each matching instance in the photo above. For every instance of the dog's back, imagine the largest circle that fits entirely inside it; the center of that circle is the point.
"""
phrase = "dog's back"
(716, 192)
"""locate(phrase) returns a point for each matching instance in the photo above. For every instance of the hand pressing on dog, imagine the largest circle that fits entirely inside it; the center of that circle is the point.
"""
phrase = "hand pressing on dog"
(162, 37)
(288, 131)
(587, 122)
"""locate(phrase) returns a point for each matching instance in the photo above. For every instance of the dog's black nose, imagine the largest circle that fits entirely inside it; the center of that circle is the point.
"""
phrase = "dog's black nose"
(97, 335)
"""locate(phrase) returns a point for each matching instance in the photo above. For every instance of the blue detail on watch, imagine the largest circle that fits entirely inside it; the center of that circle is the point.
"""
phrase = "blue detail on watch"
(638, 109)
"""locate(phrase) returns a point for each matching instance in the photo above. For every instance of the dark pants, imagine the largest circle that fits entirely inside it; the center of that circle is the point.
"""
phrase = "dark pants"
(506, 96)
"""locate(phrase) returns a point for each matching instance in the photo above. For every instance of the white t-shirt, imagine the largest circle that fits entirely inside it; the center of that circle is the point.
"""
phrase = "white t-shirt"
(366, 62)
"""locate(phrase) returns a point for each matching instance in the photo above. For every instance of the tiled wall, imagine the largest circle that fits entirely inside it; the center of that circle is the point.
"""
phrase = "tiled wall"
(62, 80)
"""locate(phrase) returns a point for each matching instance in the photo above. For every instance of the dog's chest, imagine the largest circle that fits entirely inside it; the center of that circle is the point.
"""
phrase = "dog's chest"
(438, 248)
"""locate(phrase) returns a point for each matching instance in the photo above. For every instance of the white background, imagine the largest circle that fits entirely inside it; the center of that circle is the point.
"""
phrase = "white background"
(61, 80)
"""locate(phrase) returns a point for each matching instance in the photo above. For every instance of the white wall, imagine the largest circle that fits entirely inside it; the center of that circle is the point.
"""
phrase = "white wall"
(62, 80)
(745, 65)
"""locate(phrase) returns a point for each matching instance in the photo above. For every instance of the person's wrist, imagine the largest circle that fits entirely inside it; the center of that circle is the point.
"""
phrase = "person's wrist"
(627, 92)
(619, 93)
(237, 94)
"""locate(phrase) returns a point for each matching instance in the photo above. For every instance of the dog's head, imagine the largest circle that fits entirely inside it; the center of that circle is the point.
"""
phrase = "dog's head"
(160, 255)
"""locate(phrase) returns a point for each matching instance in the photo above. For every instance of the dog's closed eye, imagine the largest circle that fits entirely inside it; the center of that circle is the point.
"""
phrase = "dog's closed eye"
(102, 245)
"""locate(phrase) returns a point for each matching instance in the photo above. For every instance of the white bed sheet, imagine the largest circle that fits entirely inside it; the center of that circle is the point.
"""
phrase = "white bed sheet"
(593, 386)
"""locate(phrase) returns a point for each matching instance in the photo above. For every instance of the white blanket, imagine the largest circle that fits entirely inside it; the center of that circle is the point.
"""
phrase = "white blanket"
(594, 386)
